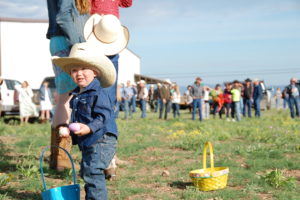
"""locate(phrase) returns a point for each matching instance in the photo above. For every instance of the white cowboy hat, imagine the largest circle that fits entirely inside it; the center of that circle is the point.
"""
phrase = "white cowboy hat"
(142, 81)
(107, 32)
(168, 81)
(88, 55)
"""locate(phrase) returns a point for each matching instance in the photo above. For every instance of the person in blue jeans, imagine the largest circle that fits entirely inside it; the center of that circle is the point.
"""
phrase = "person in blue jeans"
(92, 109)
(257, 96)
(66, 21)
(142, 96)
(247, 97)
(197, 93)
(127, 94)
(293, 91)
(133, 99)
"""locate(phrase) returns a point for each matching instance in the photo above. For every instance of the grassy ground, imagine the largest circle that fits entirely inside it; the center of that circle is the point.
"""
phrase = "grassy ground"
(262, 155)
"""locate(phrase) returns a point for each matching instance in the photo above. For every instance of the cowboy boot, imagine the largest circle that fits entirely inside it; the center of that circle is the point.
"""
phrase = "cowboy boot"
(59, 160)
(54, 151)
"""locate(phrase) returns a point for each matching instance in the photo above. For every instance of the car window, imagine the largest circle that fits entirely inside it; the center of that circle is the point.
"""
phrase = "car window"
(11, 84)
(51, 82)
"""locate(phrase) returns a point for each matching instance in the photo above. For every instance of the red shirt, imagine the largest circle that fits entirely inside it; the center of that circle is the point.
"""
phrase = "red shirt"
(109, 6)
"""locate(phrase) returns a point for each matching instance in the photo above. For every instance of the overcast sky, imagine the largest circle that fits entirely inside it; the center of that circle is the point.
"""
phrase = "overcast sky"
(216, 39)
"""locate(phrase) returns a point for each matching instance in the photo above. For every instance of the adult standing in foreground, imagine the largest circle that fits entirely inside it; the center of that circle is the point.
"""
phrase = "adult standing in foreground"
(65, 29)
(112, 41)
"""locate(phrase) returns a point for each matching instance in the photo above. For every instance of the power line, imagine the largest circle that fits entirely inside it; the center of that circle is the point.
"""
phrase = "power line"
(230, 73)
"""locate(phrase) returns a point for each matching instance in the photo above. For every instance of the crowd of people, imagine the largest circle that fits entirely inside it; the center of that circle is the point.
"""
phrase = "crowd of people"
(234, 99)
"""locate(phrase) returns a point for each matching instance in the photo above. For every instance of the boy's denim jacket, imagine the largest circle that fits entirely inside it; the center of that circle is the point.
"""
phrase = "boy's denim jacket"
(92, 107)
(65, 20)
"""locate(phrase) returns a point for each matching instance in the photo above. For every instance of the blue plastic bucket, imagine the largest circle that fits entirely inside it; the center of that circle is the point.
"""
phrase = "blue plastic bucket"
(68, 192)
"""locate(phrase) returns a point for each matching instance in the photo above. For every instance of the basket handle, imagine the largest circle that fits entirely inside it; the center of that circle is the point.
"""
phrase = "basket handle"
(41, 164)
(211, 153)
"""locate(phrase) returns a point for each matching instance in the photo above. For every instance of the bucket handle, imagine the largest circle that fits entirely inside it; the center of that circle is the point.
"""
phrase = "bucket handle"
(41, 164)
(211, 153)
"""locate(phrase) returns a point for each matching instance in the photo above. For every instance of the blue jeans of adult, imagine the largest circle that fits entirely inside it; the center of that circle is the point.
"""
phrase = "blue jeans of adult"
(175, 108)
(133, 103)
(117, 109)
(247, 107)
(128, 108)
(294, 102)
(143, 108)
(257, 106)
(286, 103)
(159, 105)
(197, 103)
(164, 108)
(95, 159)
(237, 110)
(112, 89)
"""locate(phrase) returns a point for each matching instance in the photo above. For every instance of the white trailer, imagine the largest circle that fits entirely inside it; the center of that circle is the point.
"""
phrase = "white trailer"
(24, 51)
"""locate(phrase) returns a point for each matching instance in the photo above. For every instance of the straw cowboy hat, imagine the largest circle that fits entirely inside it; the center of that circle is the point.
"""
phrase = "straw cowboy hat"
(88, 55)
(107, 32)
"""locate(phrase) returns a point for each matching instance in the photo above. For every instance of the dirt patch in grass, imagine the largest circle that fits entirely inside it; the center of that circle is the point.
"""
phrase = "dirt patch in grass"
(9, 139)
(293, 173)
(265, 196)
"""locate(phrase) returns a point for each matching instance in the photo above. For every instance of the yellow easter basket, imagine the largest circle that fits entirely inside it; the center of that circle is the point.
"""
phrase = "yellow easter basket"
(212, 178)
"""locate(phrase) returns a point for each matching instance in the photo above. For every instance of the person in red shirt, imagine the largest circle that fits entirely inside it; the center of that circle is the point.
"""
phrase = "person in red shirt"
(104, 7)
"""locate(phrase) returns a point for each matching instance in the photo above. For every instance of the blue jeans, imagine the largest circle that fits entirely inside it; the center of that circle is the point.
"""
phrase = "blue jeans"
(95, 159)
(143, 108)
(63, 81)
(197, 103)
(294, 102)
(247, 107)
(257, 107)
(241, 105)
(165, 107)
(237, 110)
(117, 109)
(133, 103)
(127, 108)
(286, 103)
(112, 89)
(175, 107)
(159, 105)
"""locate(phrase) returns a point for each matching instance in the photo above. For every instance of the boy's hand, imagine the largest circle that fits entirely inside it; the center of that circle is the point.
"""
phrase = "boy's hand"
(84, 130)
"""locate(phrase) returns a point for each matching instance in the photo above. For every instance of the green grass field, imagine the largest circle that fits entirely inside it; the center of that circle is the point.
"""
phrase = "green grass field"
(263, 156)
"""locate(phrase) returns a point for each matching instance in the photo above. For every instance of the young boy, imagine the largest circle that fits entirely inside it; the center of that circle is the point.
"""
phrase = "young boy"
(92, 108)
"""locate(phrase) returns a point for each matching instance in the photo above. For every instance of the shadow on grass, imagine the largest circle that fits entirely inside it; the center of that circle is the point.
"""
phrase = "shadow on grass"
(16, 194)
(15, 120)
(5, 165)
(181, 185)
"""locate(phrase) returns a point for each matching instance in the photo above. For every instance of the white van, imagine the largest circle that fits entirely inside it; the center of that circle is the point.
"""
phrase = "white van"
(9, 105)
